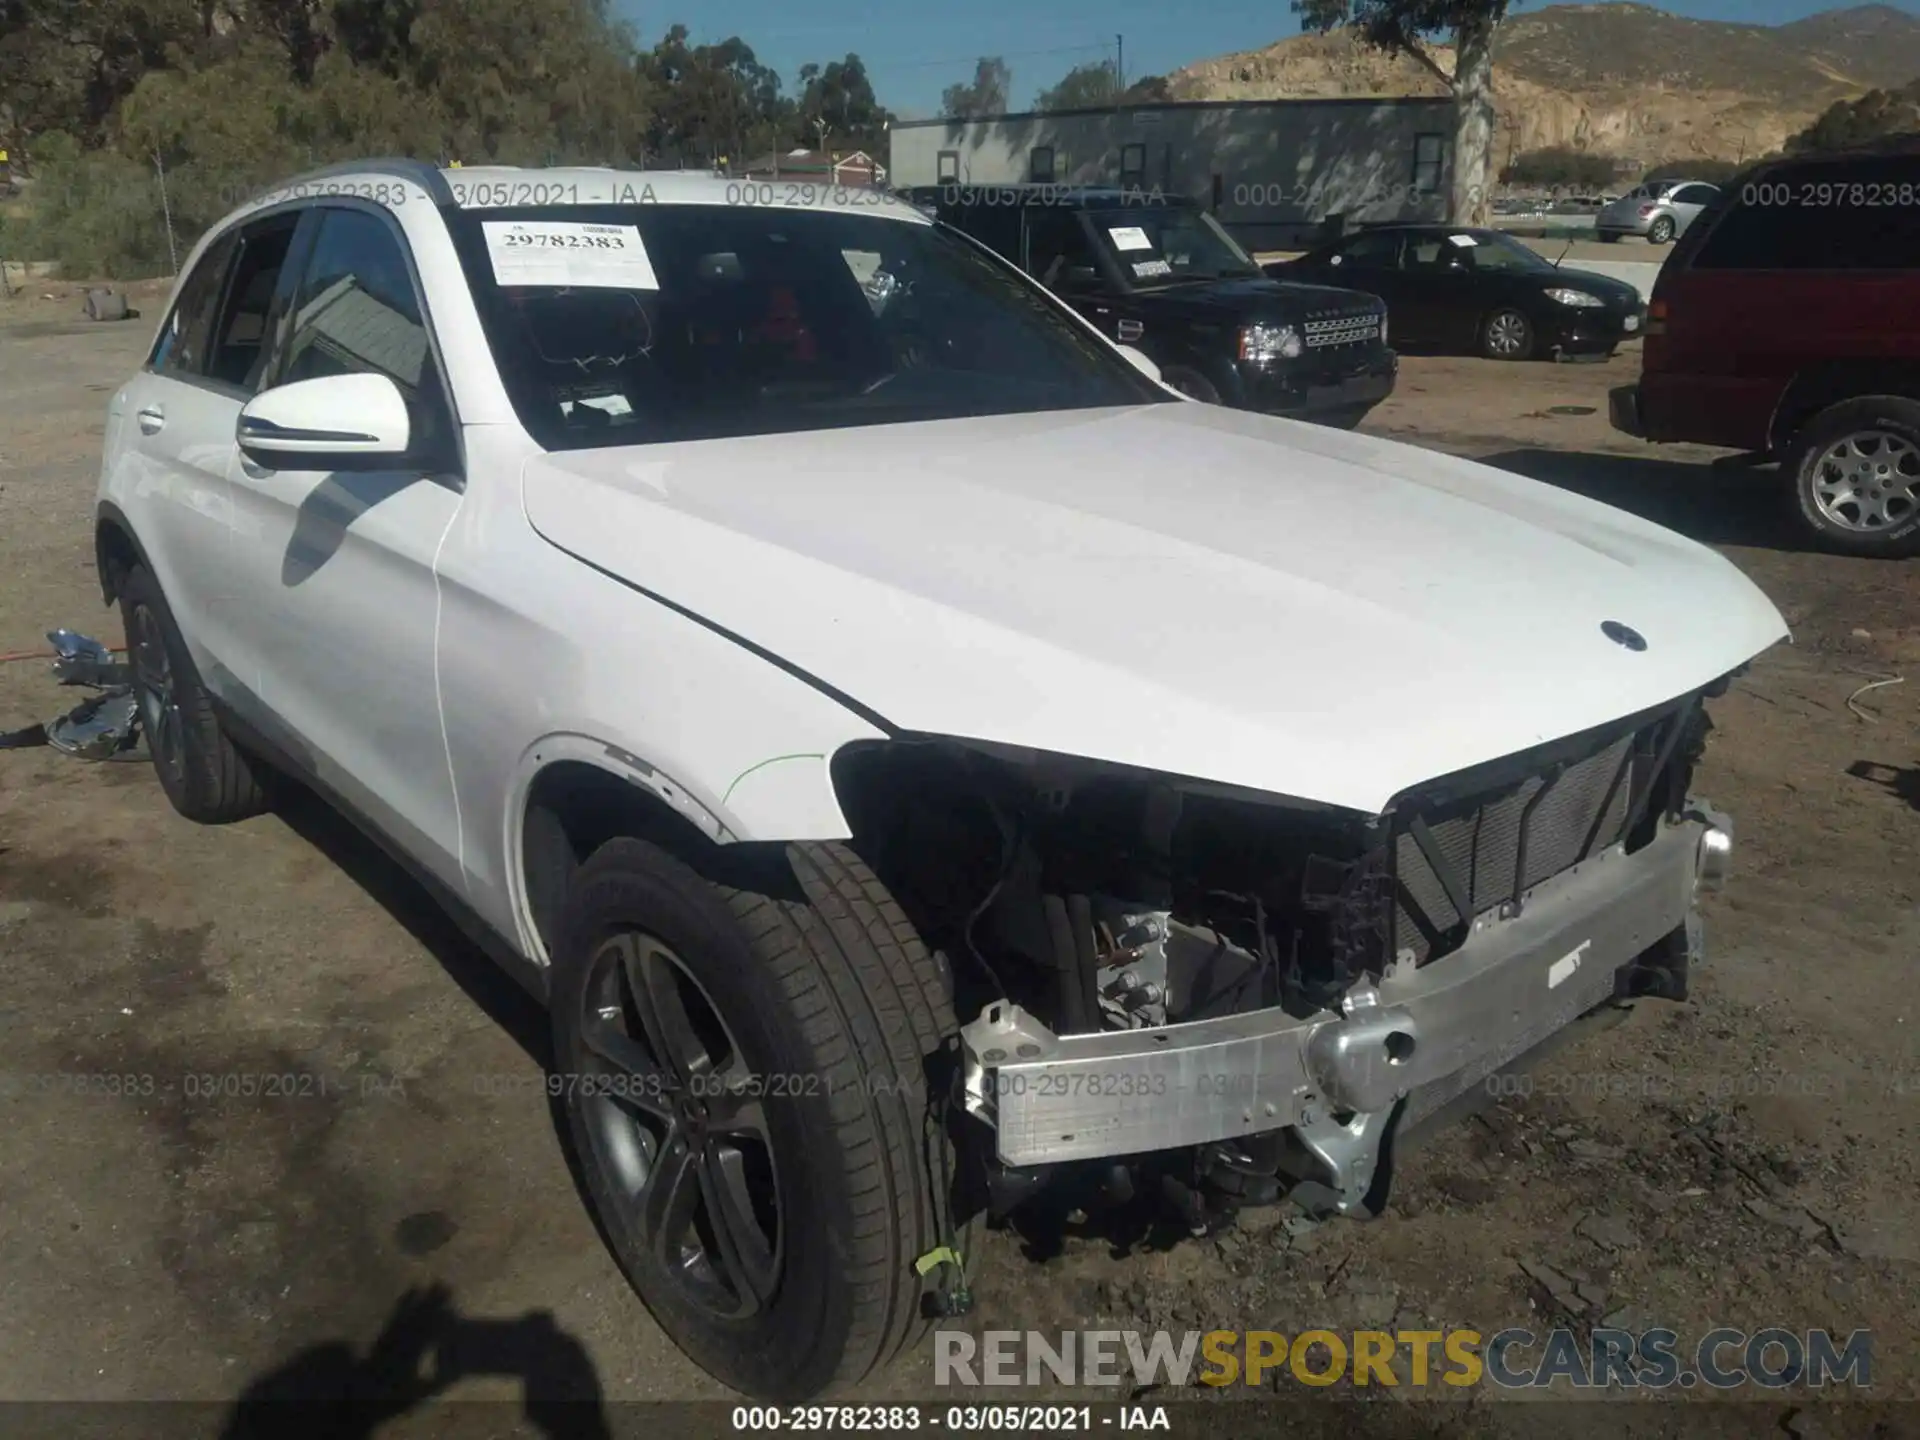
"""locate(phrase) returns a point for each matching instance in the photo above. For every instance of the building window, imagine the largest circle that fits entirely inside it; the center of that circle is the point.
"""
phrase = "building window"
(1133, 165)
(947, 167)
(1040, 165)
(1429, 157)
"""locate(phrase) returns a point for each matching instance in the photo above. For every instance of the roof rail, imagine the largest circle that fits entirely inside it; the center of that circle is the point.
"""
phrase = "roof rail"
(424, 174)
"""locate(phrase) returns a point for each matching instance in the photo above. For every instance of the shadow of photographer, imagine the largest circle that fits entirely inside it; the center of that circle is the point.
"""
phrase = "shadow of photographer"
(424, 1349)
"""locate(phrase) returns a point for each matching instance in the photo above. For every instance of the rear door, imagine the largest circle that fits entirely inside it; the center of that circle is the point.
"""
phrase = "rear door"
(182, 412)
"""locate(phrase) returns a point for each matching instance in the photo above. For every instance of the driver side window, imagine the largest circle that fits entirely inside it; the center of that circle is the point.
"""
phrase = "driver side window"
(1059, 255)
(356, 312)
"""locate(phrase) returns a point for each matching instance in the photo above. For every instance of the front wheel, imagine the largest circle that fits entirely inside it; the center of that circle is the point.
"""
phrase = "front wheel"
(1856, 474)
(1191, 383)
(750, 1069)
(1507, 335)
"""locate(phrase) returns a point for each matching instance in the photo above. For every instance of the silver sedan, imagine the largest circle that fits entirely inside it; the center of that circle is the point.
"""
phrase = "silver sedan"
(1658, 210)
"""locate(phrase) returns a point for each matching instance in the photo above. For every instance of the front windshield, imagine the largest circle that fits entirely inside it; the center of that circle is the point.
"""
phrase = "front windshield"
(626, 325)
(1169, 244)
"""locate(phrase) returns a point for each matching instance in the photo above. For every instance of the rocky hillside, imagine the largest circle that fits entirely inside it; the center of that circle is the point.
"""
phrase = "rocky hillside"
(1624, 80)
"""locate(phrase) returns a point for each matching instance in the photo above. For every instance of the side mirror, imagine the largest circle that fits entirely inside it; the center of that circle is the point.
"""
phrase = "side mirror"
(338, 422)
(1141, 361)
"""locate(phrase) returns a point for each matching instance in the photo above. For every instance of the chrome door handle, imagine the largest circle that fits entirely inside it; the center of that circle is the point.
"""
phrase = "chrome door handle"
(151, 419)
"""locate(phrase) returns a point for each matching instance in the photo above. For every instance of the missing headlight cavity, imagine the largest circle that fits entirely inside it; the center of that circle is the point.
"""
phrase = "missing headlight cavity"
(1103, 898)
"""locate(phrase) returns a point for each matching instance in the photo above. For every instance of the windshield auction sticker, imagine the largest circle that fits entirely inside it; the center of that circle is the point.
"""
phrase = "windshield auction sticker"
(557, 253)
(1129, 237)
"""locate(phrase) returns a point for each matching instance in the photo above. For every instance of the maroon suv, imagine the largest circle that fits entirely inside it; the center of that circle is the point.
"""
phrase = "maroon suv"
(1786, 323)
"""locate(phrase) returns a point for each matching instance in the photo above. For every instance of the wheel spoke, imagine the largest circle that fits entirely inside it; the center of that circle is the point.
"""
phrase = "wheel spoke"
(744, 1256)
(669, 1198)
(735, 1105)
(639, 1082)
(654, 983)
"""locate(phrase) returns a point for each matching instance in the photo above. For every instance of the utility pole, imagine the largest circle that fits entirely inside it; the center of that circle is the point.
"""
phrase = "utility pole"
(1119, 65)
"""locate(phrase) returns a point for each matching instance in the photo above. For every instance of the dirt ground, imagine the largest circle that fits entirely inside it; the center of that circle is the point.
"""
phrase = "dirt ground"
(1746, 1159)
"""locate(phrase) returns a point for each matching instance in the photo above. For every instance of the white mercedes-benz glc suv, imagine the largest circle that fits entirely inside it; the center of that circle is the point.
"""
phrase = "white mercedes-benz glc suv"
(917, 756)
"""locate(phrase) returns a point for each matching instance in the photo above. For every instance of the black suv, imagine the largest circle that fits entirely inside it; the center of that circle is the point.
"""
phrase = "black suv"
(1158, 273)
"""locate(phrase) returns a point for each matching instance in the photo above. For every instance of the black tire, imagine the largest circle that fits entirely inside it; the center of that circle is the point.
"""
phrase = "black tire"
(1661, 230)
(1189, 381)
(206, 776)
(1609, 237)
(1856, 476)
(820, 987)
(1507, 334)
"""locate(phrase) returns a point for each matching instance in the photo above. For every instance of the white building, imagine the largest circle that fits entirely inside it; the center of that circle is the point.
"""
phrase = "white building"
(1270, 170)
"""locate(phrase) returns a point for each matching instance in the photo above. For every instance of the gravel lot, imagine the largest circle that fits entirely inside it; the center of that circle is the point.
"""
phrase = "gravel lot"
(1747, 1159)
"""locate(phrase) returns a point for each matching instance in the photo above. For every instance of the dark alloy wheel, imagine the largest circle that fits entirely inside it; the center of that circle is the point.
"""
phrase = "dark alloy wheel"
(756, 1051)
(678, 1119)
(205, 775)
(159, 709)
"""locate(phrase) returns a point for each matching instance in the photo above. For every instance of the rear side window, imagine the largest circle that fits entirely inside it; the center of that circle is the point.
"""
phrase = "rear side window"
(182, 347)
(1857, 216)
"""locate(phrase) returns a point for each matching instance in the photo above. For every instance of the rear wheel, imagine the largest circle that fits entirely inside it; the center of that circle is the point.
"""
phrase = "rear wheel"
(1192, 383)
(1661, 231)
(1507, 335)
(1609, 237)
(752, 1076)
(1856, 472)
(206, 776)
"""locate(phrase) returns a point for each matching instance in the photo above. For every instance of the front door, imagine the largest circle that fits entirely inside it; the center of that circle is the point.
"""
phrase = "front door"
(339, 567)
(1061, 256)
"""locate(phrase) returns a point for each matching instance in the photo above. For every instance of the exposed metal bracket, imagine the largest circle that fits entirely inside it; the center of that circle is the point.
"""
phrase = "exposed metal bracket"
(1350, 1154)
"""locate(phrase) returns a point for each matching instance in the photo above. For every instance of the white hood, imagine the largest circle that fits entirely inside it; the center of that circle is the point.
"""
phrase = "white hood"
(1182, 587)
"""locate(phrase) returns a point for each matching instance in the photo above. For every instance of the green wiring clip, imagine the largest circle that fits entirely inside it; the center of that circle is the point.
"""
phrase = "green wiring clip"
(940, 1255)
(958, 1299)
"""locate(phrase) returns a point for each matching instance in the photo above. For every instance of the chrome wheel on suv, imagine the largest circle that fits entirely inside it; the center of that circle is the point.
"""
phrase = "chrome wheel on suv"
(1856, 474)
(1868, 481)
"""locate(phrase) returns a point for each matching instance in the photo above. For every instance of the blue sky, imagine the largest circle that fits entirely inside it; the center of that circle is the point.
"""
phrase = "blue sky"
(914, 51)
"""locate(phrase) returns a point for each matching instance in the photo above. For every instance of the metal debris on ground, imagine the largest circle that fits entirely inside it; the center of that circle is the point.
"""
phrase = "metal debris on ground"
(105, 726)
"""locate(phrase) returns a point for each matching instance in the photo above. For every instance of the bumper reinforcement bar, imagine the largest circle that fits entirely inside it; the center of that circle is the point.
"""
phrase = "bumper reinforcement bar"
(1511, 984)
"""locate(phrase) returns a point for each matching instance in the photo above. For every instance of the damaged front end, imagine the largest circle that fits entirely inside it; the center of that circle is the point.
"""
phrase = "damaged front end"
(1148, 966)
